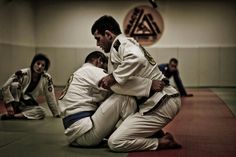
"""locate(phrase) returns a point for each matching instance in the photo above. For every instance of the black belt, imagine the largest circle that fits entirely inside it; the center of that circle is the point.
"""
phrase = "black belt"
(162, 100)
(69, 120)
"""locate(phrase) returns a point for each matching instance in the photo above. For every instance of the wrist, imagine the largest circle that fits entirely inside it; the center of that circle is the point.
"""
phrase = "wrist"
(113, 81)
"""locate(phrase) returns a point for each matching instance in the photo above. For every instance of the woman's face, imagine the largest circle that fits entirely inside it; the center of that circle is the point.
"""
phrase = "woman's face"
(39, 66)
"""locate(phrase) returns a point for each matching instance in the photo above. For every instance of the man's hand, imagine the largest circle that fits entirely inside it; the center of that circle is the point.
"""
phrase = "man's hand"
(57, 116)
(107, 81)
(9, 109)
(157, 85)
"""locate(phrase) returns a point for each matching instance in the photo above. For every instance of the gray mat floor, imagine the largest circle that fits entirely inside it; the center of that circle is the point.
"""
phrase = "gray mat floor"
(42, 138)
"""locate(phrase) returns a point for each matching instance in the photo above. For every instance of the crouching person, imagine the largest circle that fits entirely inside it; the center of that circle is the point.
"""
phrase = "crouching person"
(89, 112)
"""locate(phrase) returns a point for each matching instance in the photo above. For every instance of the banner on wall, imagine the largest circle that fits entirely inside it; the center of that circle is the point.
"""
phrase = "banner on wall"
(145, 24)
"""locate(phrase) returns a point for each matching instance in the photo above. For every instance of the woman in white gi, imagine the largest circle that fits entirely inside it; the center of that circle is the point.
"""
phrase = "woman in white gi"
(22, 89)
(129, 59)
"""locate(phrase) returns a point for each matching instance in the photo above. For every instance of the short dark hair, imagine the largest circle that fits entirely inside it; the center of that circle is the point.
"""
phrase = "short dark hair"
(43, 57)
(96, 55)
(106, 23)
(173, 60)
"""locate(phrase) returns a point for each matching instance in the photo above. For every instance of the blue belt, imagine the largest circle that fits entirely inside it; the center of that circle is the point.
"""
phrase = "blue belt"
(69, 120)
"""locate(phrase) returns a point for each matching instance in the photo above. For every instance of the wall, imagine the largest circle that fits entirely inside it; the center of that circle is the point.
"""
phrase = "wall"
(201, 34)
(67, 23)
(17, 38)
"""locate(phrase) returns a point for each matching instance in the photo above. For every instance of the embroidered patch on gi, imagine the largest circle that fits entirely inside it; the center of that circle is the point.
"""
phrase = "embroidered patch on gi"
(116, 45)
(66, 87)
(50, 89)
(19, 73)
(19, 76)
(148, 56)
(50, 82)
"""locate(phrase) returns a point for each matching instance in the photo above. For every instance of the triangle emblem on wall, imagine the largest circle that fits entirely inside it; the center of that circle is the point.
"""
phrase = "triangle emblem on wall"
(145, 26)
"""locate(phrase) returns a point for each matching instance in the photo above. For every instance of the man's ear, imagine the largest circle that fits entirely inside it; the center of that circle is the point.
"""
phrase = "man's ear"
(109, 34)
(95, 62)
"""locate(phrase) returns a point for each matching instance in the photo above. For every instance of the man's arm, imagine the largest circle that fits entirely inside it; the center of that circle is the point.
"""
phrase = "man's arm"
(180, 85)
(131, 64)
(50, 96)
(138, 86)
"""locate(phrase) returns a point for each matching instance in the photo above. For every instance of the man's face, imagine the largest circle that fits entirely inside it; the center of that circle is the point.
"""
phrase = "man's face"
(103, 41)
(172, 66)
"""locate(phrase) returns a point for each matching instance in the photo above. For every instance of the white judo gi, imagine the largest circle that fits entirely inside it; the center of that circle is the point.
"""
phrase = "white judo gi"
(131, 59)
(90, 113)
(14, 90)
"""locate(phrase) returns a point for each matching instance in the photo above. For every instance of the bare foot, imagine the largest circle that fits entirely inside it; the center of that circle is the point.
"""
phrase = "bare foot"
(158, 134)
(168, 142)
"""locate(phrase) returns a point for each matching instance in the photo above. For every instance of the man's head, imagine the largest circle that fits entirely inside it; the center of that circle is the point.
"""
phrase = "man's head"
(105, 30)
(98, 59)
(173, 63)
(40, 63)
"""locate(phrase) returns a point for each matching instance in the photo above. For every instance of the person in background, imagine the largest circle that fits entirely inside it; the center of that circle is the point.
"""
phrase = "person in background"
(22, 89)
(170, 69)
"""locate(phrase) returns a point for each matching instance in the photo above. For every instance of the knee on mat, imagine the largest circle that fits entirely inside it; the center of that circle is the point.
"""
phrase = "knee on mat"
(85, 142)
(116, 144)
(34, 113)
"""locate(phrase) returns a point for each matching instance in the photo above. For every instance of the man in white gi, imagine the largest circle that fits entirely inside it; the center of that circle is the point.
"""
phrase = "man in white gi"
(129, 59)
(87, 116)
(22, 89)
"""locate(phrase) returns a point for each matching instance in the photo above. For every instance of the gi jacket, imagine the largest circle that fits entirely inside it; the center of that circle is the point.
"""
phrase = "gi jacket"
(83, 94)
(44, 87)
(129, 58)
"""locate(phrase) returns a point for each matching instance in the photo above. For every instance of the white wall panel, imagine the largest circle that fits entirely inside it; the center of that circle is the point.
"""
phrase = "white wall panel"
(163, 55)
(5, 66)
(65, 64)
(228, 66)
(22, 57)
(17, 22)
(209, 67)
(189, 66)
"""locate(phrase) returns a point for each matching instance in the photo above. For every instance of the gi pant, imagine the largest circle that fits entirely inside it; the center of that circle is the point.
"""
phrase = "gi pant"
(29, 108)
(133, 133)
(105, 118)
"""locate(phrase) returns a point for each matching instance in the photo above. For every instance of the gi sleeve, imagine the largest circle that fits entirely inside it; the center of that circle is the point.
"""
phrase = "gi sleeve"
(7, 95)
(179, 83)
(134, 86)
(50, 96)
(132, 62)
